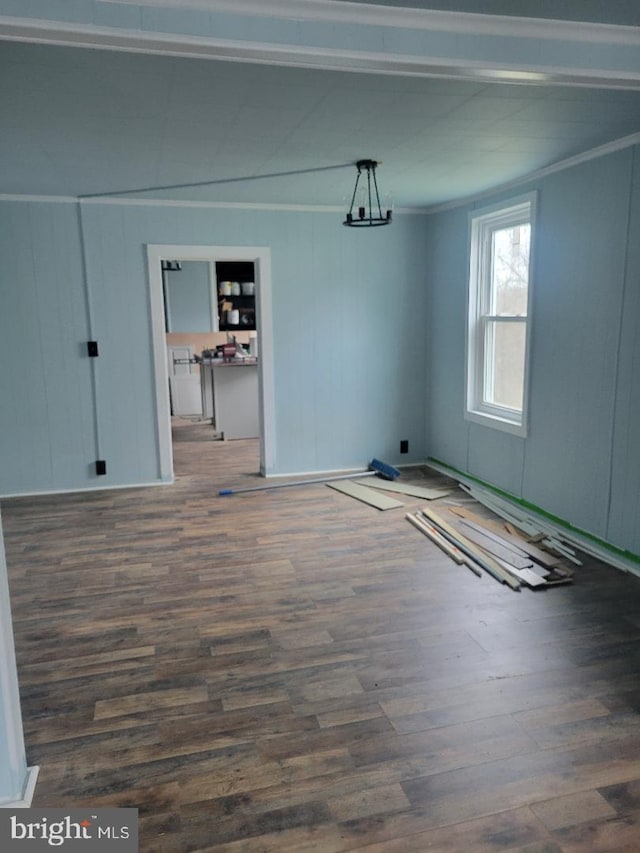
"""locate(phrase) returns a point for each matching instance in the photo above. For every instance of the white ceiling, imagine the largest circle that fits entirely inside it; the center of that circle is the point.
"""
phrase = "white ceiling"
(78, 121)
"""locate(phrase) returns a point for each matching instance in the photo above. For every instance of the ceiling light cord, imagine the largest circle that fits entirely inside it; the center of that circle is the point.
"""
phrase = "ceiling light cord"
(212, 183)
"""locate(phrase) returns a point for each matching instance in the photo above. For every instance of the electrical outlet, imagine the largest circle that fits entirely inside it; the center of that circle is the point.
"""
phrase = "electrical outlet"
(404, 446)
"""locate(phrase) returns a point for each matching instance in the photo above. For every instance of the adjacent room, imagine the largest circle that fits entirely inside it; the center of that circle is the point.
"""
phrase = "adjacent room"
(252, 249)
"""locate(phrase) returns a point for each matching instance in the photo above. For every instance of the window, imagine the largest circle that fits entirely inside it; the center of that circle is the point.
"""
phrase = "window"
(498, 331)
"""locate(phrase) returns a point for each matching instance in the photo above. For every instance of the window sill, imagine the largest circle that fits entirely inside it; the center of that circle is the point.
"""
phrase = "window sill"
(494, 421)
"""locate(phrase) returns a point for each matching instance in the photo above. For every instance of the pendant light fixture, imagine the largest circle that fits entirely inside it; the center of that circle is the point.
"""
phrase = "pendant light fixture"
(366, 199)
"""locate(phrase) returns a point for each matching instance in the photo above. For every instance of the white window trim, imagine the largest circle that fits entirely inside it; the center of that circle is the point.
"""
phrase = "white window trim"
(481, 220)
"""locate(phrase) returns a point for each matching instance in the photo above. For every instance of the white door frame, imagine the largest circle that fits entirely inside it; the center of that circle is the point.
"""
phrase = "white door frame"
(261, 258)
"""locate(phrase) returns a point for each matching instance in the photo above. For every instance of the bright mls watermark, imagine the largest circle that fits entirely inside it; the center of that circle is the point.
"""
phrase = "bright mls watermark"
(81, 830)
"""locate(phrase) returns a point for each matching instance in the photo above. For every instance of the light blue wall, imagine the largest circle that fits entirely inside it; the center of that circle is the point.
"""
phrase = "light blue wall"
(446, 274)
(582, 242)
(349, 345)
(581, 459)
(189, 297)
(625, 461)
(46, 421)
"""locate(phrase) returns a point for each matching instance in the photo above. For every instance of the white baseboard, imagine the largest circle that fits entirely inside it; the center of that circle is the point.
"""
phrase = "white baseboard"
(73, 491)
(332, 472)
(27, 793)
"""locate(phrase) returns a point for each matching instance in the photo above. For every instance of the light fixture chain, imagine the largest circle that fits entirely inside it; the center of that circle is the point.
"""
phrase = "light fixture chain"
(375, 184)
(355, 190)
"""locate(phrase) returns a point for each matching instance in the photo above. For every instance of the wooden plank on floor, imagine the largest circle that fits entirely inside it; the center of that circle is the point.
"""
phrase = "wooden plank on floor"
(516, 540)
(526, 575)
(405, 489)
(484, 528)
(489, 543)
(439, 540)
(418, 520)
(485, 560)
(364, 494)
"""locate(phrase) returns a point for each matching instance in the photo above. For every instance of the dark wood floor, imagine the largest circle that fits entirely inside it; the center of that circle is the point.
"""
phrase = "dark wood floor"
(295, 671)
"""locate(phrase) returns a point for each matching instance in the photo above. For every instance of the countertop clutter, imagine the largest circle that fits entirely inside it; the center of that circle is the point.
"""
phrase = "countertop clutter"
(231, 352)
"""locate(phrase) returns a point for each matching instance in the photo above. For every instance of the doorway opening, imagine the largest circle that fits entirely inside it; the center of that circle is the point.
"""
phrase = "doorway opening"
(222, 259)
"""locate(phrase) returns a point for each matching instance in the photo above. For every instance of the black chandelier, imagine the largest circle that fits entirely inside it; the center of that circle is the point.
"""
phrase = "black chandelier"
(368, 209)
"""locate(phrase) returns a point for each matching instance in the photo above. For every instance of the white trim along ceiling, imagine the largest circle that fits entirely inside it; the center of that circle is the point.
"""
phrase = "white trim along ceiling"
(437, 43)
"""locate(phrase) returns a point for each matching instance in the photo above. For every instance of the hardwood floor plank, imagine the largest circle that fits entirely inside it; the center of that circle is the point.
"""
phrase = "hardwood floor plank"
(373, 801)
(600, 836)
(202, 832)
(599, 729)
(449, 747)
(314, 839)
(513, 782)
(624, 798)
(573, 809)
(567, 712)
(518, 829)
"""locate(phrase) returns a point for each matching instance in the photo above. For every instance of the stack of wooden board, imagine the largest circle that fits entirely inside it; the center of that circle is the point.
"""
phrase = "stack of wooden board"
(508, 551)
(508, 558)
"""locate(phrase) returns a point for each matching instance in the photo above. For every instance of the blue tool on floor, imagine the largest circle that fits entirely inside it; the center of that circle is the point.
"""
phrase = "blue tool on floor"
(376, 468)
(387, 472)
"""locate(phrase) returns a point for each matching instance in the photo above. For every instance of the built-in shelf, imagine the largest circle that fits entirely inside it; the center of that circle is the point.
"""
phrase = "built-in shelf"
(236, 271)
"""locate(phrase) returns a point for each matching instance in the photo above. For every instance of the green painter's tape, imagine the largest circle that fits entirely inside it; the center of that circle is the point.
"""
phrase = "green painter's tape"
(560, 522)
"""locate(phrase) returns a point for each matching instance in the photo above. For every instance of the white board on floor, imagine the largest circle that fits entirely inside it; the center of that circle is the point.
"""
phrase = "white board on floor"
(404, 489)
(364, 494)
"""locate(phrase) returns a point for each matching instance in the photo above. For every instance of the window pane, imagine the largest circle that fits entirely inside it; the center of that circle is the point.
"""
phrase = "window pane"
(504, 363)
(501, 241)
(510, 270)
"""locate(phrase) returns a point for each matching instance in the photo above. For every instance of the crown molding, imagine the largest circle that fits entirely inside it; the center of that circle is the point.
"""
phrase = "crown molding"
(404, 17)
(202, 205)
(412, 42)
(146, 42)
(42, 199)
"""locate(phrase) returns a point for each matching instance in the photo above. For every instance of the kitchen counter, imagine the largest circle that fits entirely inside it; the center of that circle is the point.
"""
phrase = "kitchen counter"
(237, 362)
(230, 397)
